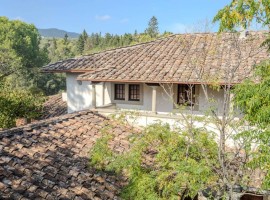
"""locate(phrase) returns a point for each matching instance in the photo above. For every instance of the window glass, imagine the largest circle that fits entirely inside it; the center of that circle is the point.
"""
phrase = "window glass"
(186, 95)
(119, 91)
(134, 92)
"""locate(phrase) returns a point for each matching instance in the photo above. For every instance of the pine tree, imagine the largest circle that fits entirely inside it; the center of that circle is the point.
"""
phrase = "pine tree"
(84, 36)
(65, 39)
(80, 44)
(152, 29)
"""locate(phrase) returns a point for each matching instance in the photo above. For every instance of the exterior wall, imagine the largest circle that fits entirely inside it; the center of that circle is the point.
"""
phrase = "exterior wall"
(216, 98)
(79, 97)
(164, 103)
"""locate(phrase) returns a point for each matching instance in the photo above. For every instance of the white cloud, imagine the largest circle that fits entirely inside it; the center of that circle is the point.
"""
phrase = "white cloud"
(178, 28)
(103, 17)
(125, 20)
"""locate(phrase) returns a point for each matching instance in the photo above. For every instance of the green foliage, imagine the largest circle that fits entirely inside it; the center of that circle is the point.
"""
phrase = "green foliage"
(254, 97)
(96, 42)
(23, 39)
(241, 13)
(21, 58)
(162, 163)
(17, 103)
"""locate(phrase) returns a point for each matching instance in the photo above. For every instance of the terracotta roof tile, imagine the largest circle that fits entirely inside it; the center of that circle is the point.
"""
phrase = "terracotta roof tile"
(49, 159)
(54, 106)
(176, 58)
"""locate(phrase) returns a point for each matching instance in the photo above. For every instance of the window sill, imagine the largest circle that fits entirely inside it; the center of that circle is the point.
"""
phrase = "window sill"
(128, 102)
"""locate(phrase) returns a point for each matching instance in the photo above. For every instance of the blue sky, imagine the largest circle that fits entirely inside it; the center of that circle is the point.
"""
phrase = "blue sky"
(113, 16)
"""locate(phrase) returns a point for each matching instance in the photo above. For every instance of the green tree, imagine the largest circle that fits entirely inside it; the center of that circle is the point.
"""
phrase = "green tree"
(20, 61)
(241, 13)
(162, 163)
(152, 29)
(17, 103)
(251, 96)
(84, 35)
(80, 45)
(82, 42)
(21, 42)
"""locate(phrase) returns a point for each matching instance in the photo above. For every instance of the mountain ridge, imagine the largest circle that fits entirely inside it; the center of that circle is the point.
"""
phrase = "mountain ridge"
(56, 33)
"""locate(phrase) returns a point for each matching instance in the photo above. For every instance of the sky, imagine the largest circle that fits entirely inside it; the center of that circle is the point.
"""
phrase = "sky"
(114, 16)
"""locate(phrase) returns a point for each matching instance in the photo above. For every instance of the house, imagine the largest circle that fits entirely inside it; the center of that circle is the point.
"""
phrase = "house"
(157, 76)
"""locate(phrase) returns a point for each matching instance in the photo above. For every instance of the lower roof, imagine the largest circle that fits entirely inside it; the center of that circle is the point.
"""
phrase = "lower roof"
(49, 159)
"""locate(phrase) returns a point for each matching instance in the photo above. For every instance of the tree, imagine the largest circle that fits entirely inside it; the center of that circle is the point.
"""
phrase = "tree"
(152, 29)
(17, 103)
(254, 100)
(84, 35)
(80, 45)
(251, 96)
(20, 59)
(82, 42)
(20, 41)
(242, 13)
(159, 165)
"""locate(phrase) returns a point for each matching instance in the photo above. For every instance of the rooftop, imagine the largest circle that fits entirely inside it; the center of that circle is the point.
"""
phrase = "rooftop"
(54, 106)
(49, 159)
(181, 58)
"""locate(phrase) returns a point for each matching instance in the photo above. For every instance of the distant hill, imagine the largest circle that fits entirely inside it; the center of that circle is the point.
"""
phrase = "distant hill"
(56, 33)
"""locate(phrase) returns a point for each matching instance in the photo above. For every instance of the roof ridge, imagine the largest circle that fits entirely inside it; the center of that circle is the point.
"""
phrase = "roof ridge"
(155, 40)
(128, 46)
(46, 122)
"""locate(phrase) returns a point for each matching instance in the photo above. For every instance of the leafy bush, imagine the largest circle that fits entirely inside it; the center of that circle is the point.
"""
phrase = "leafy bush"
(18, 103)
(161, 163)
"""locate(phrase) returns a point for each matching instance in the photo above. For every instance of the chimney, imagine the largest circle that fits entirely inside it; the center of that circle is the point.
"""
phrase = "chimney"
(243, 34)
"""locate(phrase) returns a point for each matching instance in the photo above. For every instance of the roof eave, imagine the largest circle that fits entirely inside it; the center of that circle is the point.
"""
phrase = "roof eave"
(65, 71)
(150, 81)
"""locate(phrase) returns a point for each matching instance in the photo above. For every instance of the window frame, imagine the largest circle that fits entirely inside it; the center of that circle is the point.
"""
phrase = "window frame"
(127, 100)
(136, 93)
(186, 100)
(122, 92)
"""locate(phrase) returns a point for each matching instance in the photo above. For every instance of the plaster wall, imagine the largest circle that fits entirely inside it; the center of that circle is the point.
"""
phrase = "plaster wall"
(79, 97)
(78, 94)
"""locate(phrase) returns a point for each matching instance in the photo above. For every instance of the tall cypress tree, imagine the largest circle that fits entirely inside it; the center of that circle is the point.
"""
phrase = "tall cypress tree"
(152, 29)
(80, 45)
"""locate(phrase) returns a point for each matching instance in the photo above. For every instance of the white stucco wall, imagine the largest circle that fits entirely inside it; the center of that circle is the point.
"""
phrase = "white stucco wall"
(164, 104)
(216, 100)
(79, 97)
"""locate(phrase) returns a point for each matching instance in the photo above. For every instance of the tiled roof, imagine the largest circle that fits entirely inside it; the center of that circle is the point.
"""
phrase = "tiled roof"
(54, 106)
(183, 58)
(50, 159)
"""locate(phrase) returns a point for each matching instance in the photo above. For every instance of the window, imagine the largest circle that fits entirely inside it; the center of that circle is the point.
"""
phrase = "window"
(186, 95)
(134, 92)
(119, 91)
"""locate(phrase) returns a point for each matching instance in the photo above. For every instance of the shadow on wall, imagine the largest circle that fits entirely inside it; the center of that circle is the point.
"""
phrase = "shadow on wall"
(80, 96)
